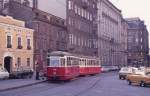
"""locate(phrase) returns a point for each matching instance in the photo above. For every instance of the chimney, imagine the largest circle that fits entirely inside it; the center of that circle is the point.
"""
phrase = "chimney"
(35, 4)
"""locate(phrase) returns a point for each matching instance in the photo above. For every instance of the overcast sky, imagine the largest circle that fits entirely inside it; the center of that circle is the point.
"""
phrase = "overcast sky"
(135, 8)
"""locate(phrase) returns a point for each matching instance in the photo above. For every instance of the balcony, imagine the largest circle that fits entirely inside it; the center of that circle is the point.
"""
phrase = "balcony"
(19, 47)
(9, 46)
(84, 5)
(28, 47)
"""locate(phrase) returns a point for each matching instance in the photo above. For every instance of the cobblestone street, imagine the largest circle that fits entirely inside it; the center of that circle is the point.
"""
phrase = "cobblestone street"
(105, 84)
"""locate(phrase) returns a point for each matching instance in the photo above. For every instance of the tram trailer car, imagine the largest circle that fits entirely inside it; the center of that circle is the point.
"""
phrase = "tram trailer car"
(89, 66)
(62, 66)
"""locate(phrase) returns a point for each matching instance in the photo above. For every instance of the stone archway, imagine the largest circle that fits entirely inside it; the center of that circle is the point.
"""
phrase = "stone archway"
(8, 63)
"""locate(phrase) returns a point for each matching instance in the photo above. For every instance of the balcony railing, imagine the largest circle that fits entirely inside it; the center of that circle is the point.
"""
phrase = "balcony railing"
(19, 47)
(28, 47)
(9, 46)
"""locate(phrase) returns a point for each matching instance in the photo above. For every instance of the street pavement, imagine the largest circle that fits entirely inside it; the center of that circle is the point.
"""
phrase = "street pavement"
(17, 83)
(105, 84)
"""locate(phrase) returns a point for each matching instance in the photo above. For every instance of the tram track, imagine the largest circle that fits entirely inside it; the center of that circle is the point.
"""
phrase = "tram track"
(89, 88)
(49, 85)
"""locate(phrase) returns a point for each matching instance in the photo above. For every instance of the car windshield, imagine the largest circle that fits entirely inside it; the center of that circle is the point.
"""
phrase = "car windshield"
(148, 73)
(124, 69)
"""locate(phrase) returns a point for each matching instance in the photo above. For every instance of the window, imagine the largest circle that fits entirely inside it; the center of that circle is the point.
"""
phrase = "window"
(69, 4)
(141, 40)
(28, 44)
(19, 43)
(9, 42)
(69, 61)
(69, 21)
(137, 40)
(28, 61)
(19, 62)
(141, 47)
(62, 61)
(76, 9)
(71, 38)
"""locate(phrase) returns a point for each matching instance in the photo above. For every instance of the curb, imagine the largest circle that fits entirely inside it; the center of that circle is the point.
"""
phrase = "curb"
(21, 86)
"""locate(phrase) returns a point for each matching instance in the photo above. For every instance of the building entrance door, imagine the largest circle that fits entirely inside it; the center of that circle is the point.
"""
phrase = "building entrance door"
(8, 63)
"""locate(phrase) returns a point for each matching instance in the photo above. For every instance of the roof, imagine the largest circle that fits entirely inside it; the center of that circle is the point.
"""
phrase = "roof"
(60, 53)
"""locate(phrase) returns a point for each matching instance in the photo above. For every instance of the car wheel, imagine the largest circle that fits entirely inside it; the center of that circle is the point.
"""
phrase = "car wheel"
(142, 84)
(129, 82)
(120, 77)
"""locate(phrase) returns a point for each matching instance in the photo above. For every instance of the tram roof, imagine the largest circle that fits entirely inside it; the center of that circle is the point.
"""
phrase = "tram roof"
(63, 53)
(60, 53)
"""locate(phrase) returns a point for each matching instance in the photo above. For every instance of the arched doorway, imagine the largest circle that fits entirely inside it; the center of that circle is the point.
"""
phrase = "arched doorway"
(8, 63)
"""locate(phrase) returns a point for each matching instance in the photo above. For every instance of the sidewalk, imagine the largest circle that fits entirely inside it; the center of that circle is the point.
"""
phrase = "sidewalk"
(17, 83)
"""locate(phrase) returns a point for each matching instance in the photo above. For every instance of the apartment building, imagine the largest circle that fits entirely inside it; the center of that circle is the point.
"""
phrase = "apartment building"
(16, 48)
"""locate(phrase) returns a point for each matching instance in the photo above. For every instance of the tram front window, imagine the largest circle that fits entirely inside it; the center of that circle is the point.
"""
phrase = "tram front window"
(54, 61)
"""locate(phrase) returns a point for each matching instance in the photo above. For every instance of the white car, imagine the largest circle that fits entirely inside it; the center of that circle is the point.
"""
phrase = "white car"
(125, 71)
(4, 73)
(105, 69)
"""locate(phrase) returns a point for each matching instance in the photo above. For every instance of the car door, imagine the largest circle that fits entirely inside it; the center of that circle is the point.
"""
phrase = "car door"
(147, 78)
(136, 78)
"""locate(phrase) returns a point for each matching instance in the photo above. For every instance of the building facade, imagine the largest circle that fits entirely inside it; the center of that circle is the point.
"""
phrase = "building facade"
(138, 48)
(50, 31)
(111, 34)
(80, 16)
(82, 27)
(16, 49)
(124, 40)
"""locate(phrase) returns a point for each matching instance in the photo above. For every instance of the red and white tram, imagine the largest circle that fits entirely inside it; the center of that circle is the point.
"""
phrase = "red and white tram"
(89, 66)
(62, 66)
(65, 66)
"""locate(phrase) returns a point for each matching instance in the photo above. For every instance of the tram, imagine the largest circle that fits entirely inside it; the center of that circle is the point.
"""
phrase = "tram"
(66, 66)
(62, 66)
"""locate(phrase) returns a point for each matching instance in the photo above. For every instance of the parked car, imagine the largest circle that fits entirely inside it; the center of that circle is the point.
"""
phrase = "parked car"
(114, 68)
(21, 73)
(124, 71)
(4, 73)
(142, 79)
(105, 69)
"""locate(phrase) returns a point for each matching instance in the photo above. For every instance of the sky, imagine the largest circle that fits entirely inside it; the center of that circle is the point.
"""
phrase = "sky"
(135, 8)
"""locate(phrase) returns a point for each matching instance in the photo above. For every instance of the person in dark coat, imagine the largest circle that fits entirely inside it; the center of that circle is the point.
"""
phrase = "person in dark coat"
(37, 71)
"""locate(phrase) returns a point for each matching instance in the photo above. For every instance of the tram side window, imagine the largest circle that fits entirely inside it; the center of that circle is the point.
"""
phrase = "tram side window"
(84, 62)
(68, 61)
(76, 62)
(73, 61)
(87, 62)
(97, 63)
(80, 62)
(62, 61)
(94, 62)
(48, 62)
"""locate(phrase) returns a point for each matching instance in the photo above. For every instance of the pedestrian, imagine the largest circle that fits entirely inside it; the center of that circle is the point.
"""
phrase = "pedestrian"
(37, 71)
